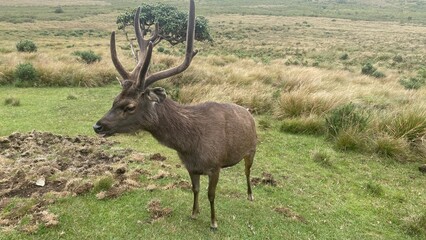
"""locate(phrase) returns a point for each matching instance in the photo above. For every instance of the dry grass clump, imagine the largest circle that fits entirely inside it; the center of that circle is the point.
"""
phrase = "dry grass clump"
(301, 102)
(391, 147)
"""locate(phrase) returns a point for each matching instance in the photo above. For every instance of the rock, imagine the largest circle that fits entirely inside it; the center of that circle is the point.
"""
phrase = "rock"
(41, 182)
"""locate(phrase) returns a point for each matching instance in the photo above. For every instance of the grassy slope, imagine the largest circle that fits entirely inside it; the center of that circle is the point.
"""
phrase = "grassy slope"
(357, 196)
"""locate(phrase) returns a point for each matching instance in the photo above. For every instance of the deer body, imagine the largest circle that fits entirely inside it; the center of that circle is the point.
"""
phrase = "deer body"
(207, 136)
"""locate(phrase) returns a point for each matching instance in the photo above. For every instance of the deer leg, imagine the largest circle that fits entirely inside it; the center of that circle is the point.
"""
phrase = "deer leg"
(195, 179)
(213, 179)
(248, 163)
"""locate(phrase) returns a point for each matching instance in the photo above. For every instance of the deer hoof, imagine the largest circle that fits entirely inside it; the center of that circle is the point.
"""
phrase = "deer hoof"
(213, 226)
(250, 197)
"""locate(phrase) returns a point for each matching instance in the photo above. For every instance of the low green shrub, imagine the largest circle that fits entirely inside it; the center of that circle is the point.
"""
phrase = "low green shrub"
(412, 83)
(26, 46)
(344, 117)
(58, 9)
(369, 69)
(25, 75)
(87, 56)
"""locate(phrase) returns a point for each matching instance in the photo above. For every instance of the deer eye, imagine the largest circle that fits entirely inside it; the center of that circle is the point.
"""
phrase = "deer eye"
(130, 108)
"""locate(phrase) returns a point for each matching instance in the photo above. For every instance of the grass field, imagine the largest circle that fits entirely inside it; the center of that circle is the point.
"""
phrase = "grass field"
(296, 64)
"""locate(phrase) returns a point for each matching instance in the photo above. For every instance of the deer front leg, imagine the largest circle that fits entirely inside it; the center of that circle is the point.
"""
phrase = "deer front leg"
(213, 179)
(195, 179)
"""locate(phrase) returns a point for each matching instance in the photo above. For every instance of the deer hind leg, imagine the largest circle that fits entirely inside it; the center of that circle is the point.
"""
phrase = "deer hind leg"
(248, 163)
(195, 179)
(213, 179)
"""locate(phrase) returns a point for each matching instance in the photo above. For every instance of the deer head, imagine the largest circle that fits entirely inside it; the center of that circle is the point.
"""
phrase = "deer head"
(134, 108)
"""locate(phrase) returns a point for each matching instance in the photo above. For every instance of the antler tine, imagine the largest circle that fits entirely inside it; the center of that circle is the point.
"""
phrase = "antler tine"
(139, 33)
(123, 73)
(190, 53)
(140, 84)
(155, 34)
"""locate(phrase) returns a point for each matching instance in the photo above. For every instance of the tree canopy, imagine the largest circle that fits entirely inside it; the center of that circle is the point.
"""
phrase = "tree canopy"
(172, 23)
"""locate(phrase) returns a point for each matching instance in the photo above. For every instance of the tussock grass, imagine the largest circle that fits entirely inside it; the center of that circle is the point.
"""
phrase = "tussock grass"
(391, 147)
(301, 103)
(309, 125)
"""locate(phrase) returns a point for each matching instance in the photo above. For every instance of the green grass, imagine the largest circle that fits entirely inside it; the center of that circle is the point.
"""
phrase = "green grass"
(360, 196)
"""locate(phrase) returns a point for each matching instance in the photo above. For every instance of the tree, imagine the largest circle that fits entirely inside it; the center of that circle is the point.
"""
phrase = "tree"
(171, 23)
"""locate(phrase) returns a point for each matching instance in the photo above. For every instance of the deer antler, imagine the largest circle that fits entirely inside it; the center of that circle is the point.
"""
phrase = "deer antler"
(143, 48)
(138, 74)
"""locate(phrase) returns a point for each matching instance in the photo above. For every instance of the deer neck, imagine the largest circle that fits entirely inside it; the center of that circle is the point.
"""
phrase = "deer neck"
(175, 126)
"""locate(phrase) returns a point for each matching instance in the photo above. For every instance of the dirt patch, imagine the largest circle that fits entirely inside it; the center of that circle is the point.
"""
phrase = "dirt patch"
(37, 168)
(290, 214)
(156, 211)
(157, 157)
(266, 179)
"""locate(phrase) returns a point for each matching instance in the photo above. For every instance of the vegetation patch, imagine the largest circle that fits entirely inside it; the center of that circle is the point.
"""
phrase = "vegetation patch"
(310, 125)
(87, 56)
(26, 46)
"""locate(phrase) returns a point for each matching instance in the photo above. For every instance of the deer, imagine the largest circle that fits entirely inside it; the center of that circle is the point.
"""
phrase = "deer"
(207, 136)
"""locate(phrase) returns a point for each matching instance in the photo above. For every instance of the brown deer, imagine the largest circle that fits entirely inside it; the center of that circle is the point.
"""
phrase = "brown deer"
(207, 136)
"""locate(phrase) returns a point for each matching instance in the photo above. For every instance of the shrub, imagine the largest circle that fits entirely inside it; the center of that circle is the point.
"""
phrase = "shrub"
(25, 75)
(369, 69)
(344, 56)
(26, 46)
(346, 116)
(310, 125)
(412, 83)
(87, 56)
(59, 9)
(378, 74)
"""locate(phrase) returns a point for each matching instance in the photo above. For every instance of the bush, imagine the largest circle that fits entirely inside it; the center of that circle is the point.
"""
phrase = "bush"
(344, 56)
(412, 83)
(369, 69)
(25, 75)
(87, 56)
(59, 9)
(26, 46)
(344, 117)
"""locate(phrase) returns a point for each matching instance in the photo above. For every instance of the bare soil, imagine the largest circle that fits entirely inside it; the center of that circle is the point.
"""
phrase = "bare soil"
(38, 168)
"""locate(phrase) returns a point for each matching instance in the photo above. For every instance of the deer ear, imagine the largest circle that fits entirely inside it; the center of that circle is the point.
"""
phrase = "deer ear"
(156, 94)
